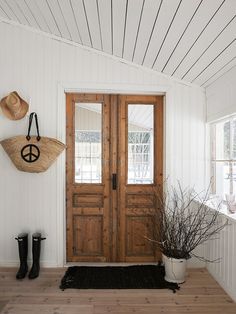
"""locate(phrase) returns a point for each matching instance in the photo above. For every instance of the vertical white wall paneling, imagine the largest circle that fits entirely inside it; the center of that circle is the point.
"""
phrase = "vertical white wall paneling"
(221, 96)
(221, 102)
(223, 247)
(41, 69)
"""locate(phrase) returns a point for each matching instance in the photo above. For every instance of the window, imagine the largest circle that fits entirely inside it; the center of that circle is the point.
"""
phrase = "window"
(88, 143)
(223, 157)
(140, 143)
(87, 156)
(140, 163)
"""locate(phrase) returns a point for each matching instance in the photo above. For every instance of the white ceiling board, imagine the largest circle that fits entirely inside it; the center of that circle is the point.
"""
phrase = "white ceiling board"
(150, 12)
(68, 13)
(216, 64)
(212, 32)
(59, 18)
(119, 15)
(180, 38)
(223, 70)
(28, 14)
(104, 11)
(183, 18)
(8, 11)
(222, 41)
(93, 22)
(18, 10)
(48, 17)
(132, 27)
(38, 16)
(168, 11)
(201, 19)
(81, 21)
(3, 13)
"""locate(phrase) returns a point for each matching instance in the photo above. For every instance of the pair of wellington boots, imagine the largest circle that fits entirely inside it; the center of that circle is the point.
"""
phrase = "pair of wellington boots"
(22, 240)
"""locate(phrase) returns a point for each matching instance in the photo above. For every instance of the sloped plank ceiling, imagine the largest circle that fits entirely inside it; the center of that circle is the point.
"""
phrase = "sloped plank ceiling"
(192, 40)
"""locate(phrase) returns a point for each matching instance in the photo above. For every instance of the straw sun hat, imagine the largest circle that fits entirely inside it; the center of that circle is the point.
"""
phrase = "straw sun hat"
(14, 107)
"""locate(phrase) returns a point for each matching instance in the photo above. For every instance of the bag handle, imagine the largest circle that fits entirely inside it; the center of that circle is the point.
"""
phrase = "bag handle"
(32, 116)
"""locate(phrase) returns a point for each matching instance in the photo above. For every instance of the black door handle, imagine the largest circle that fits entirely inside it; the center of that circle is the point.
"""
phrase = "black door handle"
(114, 181)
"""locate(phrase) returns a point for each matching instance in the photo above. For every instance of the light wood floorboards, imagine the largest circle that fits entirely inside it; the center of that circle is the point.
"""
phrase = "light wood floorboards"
(199, 295)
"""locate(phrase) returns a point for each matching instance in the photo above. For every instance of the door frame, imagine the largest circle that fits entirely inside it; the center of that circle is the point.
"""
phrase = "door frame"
(62, 89)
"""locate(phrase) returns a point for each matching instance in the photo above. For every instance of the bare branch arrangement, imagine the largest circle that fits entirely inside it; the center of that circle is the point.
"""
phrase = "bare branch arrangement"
(182, 220)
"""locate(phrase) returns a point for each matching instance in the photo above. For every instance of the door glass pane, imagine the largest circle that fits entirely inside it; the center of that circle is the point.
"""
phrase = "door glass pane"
(140, 144)
(88, 142)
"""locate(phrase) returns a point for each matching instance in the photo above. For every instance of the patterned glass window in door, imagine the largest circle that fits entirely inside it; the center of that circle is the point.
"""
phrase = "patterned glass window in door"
(140, 144)
(88, 142)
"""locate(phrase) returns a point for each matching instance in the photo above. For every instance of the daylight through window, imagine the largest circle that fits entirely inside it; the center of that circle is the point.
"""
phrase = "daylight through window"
(223, 160)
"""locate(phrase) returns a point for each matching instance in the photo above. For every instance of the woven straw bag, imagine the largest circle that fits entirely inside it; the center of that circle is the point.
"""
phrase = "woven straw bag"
(32, 153)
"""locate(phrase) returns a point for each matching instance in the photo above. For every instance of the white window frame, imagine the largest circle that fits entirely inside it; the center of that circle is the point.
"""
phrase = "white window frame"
(214, 161)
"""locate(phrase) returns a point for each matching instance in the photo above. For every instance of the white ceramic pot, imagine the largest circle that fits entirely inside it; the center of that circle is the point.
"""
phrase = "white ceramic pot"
(175, 269)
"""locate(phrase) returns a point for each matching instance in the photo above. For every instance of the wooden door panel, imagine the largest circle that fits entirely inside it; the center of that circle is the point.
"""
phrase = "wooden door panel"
(106, 223)
(138, 230)
(88, 204)
(136, 201)
(87, 200)
(88, 232)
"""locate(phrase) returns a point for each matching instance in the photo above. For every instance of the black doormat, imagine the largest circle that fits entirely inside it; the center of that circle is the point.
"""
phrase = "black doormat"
(116, 277)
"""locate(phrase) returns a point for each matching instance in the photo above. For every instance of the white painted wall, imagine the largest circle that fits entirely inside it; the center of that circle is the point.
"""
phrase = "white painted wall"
(221, 102)
(221, 96)
(40, 69)
(223, 247)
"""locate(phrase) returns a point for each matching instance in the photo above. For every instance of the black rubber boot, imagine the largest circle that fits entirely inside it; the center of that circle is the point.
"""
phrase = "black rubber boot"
(23, 252)
(36, 246)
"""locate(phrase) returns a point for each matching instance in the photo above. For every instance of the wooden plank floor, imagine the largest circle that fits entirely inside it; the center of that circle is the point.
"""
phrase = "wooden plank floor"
(199, 295)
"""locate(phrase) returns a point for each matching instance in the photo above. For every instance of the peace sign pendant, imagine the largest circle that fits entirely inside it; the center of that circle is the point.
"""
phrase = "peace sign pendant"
(30, 153)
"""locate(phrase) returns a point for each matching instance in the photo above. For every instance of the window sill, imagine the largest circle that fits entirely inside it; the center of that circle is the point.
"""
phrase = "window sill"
(223, 210)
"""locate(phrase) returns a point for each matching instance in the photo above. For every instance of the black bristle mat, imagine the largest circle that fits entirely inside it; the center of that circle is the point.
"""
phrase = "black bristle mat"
(116, 277)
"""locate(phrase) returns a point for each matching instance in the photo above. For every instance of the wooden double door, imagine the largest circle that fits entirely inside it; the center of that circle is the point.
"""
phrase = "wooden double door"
(114, 163)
